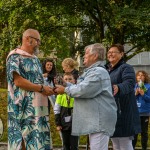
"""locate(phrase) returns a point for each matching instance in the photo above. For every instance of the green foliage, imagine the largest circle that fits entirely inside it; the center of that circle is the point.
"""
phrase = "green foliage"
(43, 16)
(3, 113)
(111, 21)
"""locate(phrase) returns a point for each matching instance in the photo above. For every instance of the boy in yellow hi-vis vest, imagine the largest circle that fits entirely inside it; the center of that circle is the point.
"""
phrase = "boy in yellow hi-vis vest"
(63, 116)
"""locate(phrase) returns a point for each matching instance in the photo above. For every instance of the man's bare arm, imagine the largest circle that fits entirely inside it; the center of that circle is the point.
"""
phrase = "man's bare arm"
(29, 86)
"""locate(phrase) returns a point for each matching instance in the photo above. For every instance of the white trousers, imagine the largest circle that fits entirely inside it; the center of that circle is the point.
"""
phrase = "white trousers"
(122, 143)
(98, 141)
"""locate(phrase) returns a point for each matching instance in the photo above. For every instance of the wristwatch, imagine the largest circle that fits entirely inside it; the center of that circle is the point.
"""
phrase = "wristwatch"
(42, 89)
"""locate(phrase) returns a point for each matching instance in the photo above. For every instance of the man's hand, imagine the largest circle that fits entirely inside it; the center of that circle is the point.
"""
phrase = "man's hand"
(59, 89)
(48, 91)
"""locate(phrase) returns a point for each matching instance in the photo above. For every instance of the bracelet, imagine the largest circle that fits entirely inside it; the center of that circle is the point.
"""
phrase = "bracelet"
(42, 89)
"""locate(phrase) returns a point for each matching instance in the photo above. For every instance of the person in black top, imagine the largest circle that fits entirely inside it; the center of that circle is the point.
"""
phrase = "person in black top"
(49, 75)
(49, 71)
(63, 110)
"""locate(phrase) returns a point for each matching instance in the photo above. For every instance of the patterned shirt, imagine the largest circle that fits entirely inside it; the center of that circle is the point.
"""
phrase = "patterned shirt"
(27, 110)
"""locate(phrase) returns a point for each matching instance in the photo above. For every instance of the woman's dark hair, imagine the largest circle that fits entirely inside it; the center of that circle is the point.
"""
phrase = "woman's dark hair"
(147, 78)
(52, 73)
(119, 47)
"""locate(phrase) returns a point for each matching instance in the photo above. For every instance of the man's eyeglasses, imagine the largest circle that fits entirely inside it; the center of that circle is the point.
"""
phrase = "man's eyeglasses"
(38, 41)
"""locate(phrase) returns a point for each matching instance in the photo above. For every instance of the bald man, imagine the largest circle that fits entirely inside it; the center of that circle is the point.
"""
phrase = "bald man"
(28, 120)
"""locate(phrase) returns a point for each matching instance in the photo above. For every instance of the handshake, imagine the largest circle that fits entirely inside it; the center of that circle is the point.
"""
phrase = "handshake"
(58, 89)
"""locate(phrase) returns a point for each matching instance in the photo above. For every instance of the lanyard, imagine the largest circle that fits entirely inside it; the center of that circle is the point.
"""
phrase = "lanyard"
(68, 99)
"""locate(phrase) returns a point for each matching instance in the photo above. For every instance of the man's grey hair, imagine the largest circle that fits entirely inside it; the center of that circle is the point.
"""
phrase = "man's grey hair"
(97, 48)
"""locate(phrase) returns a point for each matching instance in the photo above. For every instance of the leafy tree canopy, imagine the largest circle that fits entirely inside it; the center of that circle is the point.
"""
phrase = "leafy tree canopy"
(106, 21)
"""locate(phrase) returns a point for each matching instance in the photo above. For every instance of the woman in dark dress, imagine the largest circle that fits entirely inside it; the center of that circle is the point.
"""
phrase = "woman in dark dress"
(123, 81)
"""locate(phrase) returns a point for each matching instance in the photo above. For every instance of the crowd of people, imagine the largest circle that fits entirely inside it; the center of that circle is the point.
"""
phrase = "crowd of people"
(107, 101)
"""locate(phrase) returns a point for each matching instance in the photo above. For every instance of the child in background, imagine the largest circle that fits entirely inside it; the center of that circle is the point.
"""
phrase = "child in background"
(142, 93)
(63, 116)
